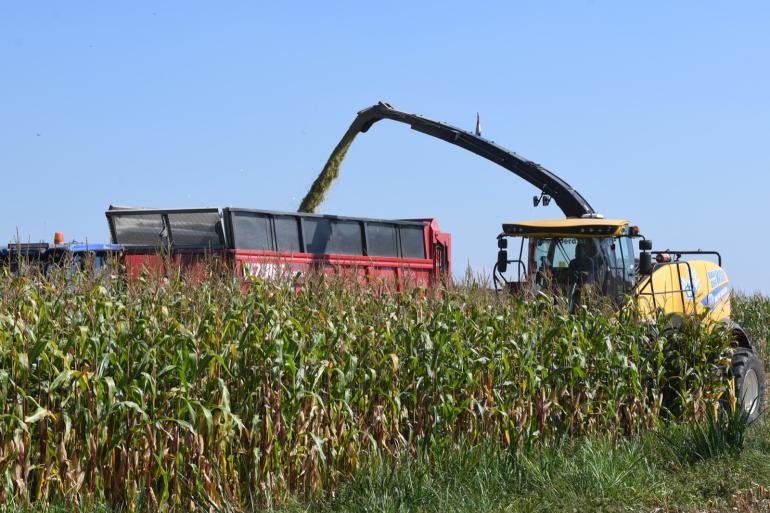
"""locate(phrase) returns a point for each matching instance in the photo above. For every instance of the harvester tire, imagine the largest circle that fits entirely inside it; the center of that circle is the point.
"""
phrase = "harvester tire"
(749, 375)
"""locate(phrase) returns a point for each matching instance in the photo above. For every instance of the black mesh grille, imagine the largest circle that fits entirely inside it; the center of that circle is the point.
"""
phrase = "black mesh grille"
(287, 234)
(251, 231)
(332, 236)
(412, 242)
(196, 229)
(190, 229)
(382, 239)
(140, 229)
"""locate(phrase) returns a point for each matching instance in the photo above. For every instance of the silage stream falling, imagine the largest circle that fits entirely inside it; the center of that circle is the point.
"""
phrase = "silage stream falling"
(329, 173)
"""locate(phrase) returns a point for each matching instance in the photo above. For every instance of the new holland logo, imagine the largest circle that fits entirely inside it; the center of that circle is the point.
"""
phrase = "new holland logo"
(690, 288)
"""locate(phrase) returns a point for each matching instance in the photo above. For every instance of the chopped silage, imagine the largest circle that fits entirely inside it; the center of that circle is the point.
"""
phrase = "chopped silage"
(329, 173)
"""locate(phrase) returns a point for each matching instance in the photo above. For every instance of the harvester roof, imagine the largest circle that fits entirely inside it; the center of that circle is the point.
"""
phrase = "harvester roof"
(566, 228)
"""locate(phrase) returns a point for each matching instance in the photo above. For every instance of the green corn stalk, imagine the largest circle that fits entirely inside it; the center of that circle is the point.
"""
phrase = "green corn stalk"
(182, 393)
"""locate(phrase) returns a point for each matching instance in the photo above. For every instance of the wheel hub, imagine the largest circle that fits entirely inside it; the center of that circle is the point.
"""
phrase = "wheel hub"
(750, 392)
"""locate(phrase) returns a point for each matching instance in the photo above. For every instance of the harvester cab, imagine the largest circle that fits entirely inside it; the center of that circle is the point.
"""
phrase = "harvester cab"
(568, 254)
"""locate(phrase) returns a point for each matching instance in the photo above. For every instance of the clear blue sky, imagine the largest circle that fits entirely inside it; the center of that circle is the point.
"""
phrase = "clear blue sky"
(655, 111)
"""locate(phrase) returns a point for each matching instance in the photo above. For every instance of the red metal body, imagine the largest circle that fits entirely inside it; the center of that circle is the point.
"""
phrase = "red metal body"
(250, 242)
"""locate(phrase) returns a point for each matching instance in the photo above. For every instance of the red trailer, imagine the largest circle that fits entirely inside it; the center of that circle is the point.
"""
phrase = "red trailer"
(266, 244)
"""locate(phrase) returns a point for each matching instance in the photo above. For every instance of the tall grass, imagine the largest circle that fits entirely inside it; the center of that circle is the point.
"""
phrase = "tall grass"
(195, 393)
(594, 473)
(584, 475)
(720, 433)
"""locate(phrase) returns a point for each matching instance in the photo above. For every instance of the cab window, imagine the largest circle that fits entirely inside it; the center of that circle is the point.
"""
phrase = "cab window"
(620, 251)
(555, 252)
(552, 257)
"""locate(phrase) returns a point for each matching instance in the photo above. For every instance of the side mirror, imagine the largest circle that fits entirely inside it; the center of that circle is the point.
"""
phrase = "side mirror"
(502, 260)
(502, 243)
(645, 245)
(645, 264)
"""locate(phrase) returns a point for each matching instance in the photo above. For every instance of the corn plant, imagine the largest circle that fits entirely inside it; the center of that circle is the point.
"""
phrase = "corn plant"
(752, 312)
(180, 394)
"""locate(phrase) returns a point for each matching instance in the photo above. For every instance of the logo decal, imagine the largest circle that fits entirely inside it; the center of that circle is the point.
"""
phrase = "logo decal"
(722, 293)
(691, 289)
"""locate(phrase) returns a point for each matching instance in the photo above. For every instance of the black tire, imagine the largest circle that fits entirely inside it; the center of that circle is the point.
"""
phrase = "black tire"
(749, 375)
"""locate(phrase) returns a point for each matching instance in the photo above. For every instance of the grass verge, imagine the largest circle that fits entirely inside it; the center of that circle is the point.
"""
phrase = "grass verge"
(595, 474)
(645, 473)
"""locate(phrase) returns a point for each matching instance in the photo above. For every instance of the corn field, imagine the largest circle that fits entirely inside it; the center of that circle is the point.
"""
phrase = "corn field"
(753, 313)
(180, 394)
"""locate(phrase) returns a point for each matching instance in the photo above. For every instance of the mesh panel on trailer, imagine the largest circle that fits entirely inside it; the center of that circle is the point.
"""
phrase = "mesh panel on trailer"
(333, 236)
(251, 230)
(318, 231)
(141, 229)
(346, 238)
(382, 239)
(196, 229)
(287, 233)
(412, 241)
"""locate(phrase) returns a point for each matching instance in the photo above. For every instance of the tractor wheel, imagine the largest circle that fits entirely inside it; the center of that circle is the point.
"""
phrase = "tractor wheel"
(749, 375)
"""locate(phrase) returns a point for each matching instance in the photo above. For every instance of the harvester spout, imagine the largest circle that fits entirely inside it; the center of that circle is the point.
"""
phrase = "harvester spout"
(567, 198)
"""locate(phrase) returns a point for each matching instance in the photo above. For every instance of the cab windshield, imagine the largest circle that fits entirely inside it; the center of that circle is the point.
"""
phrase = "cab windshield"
(604, 263)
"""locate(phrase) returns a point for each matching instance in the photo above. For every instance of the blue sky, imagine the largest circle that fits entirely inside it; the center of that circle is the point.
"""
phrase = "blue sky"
(655, 111)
